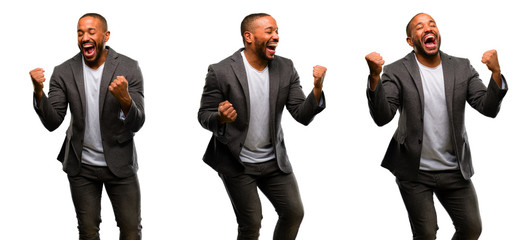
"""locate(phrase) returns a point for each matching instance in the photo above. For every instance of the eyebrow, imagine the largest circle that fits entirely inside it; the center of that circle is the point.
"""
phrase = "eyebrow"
(89, 29)
(430, 21)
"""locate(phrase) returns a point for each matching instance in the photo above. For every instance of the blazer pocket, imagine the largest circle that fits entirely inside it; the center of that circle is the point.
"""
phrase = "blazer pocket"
(461, 85)
(400, 136)
(283, 89)
(125, 137)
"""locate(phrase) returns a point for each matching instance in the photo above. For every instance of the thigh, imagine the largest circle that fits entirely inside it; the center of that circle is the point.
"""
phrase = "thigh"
(418, 199)
(124, 194)
(86, 192)
(243, 193)
(282, 191)
(459, 198)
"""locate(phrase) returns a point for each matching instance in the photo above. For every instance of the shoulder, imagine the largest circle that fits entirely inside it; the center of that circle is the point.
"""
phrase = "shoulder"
(75, 59)
(454, 59)
(227, 64)
(282, 65)
(283, 61)
(67, 67)
(402, 62)
(233, 58)
(121, 58)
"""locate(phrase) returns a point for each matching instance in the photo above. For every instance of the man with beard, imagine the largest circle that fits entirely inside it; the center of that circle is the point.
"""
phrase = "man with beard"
(429, 152)
(242, 104)
(104, 91)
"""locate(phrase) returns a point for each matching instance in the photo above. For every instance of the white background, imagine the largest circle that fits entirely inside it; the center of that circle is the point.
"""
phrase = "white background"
(346, 194)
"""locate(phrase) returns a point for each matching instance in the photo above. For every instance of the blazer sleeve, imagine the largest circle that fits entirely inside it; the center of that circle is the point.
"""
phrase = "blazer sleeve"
(301, 108)
(487, 101)
(53, 107)
(136, 116)
(211, 97)
(384, 101)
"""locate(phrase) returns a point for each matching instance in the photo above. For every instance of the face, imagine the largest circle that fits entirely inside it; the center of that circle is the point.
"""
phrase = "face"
(91, 39)
(425, 37)
(264, 37)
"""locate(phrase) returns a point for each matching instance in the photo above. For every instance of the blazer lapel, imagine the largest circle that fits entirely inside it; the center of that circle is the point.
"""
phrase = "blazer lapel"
(239, 69)
(411, 64)
(78, 73)
(274, 83)
(107, 76)
(449, 81)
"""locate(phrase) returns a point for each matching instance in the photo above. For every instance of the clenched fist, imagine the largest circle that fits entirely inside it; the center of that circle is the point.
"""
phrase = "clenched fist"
(38, 79)
(226, 112)
(375, 63)
(491, 60)
(319, 72)
(119, 90)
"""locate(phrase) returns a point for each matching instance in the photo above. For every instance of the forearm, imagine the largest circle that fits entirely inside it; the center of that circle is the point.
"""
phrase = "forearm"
(38, 96)
(317, 91)
(497, 77)
(50, 116)
(125, 105)
(382, 111)
(132, 106)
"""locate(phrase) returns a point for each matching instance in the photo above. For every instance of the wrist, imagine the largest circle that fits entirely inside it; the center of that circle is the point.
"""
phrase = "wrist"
(39, 93)
(220, 119)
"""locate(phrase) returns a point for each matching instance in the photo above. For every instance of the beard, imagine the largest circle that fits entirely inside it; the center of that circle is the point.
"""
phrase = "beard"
(260, 49)
(420, 48)
(98, 49)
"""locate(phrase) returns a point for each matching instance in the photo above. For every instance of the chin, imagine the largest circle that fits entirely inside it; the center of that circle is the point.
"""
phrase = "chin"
(269, 57)
(432, 54)
(89, 59)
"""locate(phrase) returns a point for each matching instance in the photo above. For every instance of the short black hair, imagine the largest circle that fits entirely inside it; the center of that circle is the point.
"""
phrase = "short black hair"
(247, 23)
(99, 17)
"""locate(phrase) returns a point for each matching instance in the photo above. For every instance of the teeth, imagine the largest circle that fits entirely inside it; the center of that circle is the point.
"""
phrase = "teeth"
(429, 37)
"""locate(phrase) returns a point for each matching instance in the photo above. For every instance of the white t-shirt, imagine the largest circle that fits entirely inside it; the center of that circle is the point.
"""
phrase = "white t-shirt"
(437, 149)
(257, 147)
(93, 151)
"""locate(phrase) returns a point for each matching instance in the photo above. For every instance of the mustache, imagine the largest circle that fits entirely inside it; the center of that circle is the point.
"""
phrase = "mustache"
(430, 32)
(92, 42)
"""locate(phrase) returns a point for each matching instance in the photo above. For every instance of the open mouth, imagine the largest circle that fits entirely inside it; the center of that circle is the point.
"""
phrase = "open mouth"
(88, 49)
(271, 47)
(430, 41)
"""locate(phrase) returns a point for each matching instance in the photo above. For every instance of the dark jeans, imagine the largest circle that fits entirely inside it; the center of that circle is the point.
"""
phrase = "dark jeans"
(280, 188)
(456, 195)
(124, 193)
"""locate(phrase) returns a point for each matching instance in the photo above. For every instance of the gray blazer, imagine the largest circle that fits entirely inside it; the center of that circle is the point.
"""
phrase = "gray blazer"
(227, 80)
(400, 89)
(67, 88)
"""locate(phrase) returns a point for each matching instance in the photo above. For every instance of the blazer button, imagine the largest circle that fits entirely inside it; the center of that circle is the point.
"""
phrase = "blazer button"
(420, 141)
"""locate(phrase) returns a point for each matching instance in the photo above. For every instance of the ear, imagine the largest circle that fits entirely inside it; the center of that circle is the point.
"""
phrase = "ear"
(248, 37)
(106, 36)
(410, 41)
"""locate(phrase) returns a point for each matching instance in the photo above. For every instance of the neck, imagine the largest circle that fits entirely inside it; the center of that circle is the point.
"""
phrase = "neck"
(428, 61)
(254, 60)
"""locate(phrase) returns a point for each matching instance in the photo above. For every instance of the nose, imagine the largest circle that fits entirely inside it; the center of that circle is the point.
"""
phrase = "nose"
(428, 28)
(85, 37)
(275, 36)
